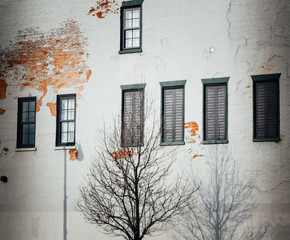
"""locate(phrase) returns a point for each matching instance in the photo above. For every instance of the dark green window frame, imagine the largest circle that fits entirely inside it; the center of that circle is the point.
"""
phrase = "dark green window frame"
(208, 83)
(180, 84)
(26, 122)
(128, 5)
(267, 80)
(127, 89)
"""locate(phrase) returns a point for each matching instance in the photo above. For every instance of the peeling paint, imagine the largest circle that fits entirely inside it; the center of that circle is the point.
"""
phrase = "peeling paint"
(104, 7)
(40, 60)
(123, 154)
(73, 154)
(52, 108)
(2, 111)
(3, 88)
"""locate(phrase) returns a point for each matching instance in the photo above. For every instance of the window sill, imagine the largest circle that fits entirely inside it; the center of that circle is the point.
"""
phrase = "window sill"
(64, 147)
(215, 142)
(134, 50)
(25, 149)
(266, 139)
(172, 143)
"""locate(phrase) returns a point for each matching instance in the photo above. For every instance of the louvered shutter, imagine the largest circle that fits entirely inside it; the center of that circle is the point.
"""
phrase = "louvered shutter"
(173, 108)
(132, 117)
(215, 112)
(266, 109)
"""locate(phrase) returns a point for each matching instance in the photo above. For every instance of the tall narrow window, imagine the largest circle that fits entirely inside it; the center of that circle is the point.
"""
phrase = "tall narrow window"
(266, 107)
(26, 122)
(132, 115)
(215, 110)
(66, 114)
(172, 112)
(131, 26)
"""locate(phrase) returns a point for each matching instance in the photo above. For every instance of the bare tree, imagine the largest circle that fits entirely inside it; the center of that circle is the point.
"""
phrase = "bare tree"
(224, 204)
(130, 191)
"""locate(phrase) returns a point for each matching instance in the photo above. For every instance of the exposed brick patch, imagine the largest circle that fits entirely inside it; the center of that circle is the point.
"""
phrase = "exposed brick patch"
(192, 128)
(2, 111)
(3, 87)
(123, 154)
(73, 154)
(38, 60)
(104, 7)
(197, 155)
(52, 108)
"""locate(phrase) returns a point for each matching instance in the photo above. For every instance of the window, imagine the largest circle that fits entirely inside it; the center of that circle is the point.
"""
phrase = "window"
(215, 113)
(65, 120)
(131, 26)
(132, 114)
(266, 107)
(172, 112)
(26, 122)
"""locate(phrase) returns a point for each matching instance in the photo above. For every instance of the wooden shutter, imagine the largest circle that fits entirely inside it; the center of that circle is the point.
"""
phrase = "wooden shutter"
(132, 117)
(266, 109)
(173, 108)
(215, 112)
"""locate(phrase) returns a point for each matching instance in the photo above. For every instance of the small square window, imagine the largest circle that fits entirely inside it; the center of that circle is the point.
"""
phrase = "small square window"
(131, 26)
(66, 114)
(26, 122)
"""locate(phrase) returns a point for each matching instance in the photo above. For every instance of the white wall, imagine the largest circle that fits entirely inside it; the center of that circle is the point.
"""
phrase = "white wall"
(249, 37)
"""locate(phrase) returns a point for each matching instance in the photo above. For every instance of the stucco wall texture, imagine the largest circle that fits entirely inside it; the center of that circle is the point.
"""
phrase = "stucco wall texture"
(71, 46)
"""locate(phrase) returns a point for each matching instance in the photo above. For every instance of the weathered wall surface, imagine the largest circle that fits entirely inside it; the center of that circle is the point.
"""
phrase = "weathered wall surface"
(53, 47)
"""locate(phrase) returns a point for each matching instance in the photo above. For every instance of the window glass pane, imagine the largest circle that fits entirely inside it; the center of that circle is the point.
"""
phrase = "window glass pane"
(64, 104)
(70, 115)
(136, 42)
(32, 106)
(64, 126)
(136, 33)
(71, 126)
(128, 14)
(31, 138)
(129, 33)
(64, 137)
(64, 115)
(128, 43)
(25, 117)
(70, 137)
(136, 13)
(71, 104)
(25, 107)
(31, 116)
(135, 23)
(128, 24)
(25, 139)
(31, 128)
(25, 128)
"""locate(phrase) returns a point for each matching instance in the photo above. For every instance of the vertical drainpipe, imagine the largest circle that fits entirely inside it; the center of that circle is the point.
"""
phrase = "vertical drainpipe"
(64, 199)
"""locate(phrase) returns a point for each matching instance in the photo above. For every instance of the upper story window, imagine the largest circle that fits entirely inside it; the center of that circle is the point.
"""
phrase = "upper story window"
(131, 26)
(172, 113)
(266, 107)
(215, 110)
(65, 120)
(26, 122)
(132, 114)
